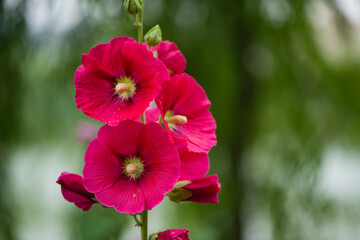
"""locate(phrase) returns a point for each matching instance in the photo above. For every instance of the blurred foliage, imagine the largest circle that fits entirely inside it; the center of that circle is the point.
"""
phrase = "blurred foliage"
(284, 91)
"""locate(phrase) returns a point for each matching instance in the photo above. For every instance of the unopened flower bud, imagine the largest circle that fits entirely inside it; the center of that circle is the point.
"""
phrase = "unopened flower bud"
(133, 6)
(73, 190)
(153, 36)
(201, 190)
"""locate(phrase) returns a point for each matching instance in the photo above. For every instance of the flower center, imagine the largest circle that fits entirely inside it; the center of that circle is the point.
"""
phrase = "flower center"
(125, 87)
(173, 120)
(133, 167)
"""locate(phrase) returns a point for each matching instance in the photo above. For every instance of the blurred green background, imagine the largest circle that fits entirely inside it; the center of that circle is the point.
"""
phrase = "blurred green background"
(284, 81)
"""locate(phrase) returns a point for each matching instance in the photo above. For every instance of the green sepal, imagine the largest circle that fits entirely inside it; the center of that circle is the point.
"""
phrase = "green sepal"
(154, 236)
(178, 193)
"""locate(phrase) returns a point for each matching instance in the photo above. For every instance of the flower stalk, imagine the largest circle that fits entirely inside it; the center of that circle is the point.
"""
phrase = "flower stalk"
(138, 17)
(139, 25)
(144, 225)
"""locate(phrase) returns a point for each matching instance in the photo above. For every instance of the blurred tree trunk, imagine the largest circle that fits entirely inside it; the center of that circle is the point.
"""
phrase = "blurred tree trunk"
(242, 27)
(12, 33)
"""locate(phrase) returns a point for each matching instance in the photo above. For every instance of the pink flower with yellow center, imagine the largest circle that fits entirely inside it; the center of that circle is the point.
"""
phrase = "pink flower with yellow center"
(184, 109)
(118, 80)
(131, 166)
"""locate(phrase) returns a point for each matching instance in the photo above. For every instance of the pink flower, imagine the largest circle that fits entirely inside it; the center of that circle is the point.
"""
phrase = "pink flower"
(201, 190)
(172, 234)
(184, 108)
(118, 80)
(72, 188)
(171, 56)
(131, 166)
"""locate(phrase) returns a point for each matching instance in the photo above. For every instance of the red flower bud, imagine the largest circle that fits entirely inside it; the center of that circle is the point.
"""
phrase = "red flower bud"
(73, 190)
(204, 190)
(201, 190)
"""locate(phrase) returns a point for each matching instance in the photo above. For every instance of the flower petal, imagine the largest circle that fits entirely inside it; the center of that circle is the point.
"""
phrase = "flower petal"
(161, 162)
(102, 169)
(125, 196)
(193, 165)
(171, 56)
(152, 72)
(122, 139)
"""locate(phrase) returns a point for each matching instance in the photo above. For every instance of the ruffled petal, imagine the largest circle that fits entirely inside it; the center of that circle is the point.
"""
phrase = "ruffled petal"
(143, 67)
(122, 139)
(115, 59)
(161, 162)
(199, 131)
(125, 196)
(193, 165)
(171, 56)
(95, 61)
(102, 169)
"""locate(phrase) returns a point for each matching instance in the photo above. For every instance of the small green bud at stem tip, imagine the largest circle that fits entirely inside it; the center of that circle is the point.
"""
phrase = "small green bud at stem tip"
(133, 6)
(153, 36)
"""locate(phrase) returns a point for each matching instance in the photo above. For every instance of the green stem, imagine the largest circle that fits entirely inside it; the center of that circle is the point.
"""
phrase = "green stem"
(144, 215)
(139, 26)
(144, 225)
(141, 30)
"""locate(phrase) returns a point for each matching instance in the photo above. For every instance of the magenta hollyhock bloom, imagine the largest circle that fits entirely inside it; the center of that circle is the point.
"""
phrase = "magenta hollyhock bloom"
(118, 80)
(72, 188)
(174, 234)
(184, 108)
(131, 166)
(201, 190)
(171, 56)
